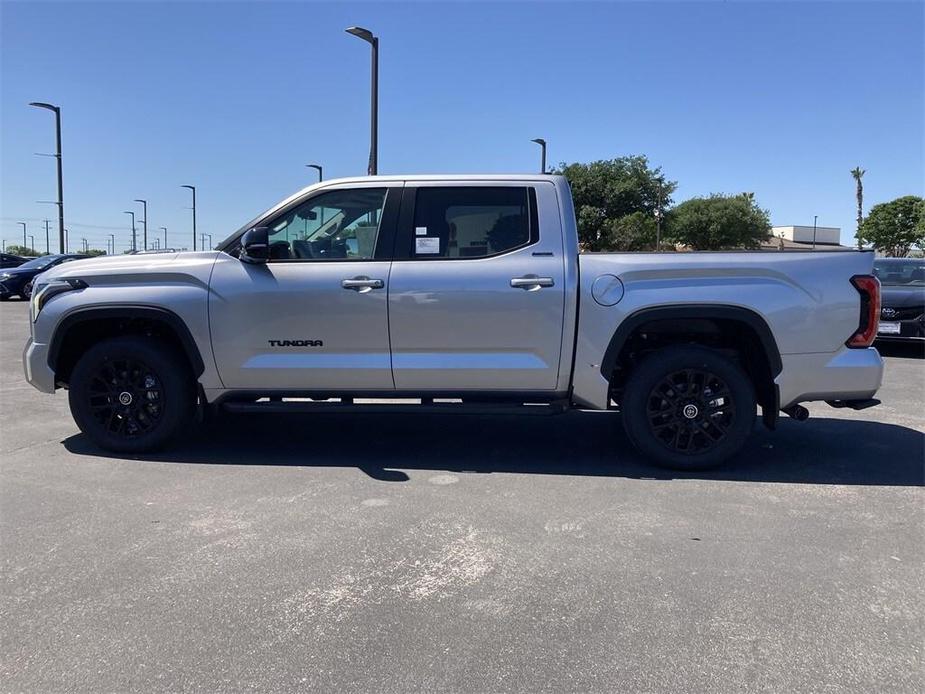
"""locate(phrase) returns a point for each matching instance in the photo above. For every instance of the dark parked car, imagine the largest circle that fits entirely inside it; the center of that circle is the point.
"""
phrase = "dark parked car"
(10, 260)
(902, 309)
(17, 281)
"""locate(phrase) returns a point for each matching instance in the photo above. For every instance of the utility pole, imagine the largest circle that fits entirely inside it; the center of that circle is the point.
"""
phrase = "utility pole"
(23, 233)
(47, 249)
(319, 169)
(658, 219)
(373, 41)
(134, 242)
(113, 239)
(815, 217)
(542, 143)
(145, 220)
(193, 188)
(57, 111)
(31, 242)
(164, 229)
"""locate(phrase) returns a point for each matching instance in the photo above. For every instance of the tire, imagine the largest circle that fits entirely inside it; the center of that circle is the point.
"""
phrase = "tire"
(26, 293)
(132, 394)
(688, 407)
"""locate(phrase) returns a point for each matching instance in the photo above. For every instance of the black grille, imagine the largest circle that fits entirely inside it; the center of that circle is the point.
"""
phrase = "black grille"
(888, 314)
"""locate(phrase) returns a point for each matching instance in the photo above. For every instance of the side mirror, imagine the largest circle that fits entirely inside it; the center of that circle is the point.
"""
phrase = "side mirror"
(255, 246)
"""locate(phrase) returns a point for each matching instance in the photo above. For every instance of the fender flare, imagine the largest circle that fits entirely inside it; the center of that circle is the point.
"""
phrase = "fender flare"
(691, 311)
(153, 313)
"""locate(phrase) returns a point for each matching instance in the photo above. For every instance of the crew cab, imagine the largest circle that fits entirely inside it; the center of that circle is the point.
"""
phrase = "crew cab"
(462, 293)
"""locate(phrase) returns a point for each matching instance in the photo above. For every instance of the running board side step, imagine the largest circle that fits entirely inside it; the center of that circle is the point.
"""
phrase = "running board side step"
(283, 406)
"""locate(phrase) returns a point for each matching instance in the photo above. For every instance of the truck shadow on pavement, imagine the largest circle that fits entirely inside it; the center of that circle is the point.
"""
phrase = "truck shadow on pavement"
(819, 451)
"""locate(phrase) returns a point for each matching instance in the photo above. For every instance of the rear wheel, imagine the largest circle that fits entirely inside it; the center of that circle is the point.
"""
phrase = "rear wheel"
(131, 394)
(26, 292)
(688, 407)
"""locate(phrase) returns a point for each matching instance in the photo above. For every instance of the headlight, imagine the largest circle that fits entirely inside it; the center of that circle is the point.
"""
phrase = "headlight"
(44, 291)
(5, 276)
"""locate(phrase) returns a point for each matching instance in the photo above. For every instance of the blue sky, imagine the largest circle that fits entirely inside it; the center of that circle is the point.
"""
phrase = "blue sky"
(781, 99)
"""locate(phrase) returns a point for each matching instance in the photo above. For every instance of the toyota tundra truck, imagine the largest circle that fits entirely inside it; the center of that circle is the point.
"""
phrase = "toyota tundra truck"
(456, 294)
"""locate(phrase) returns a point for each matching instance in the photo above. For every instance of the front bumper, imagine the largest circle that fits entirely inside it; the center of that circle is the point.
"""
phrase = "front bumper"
(35, 365)
(845, 375)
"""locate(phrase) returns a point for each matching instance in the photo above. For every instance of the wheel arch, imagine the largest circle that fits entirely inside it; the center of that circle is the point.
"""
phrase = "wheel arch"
(729, 326)
(77, 330)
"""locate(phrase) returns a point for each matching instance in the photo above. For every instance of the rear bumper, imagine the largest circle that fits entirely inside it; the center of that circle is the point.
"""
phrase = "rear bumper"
(846, 375)
(35, 366)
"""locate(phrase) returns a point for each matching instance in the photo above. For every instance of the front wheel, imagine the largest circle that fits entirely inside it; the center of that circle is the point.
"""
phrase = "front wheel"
(688, 407)
(26, 292)
(131, 394)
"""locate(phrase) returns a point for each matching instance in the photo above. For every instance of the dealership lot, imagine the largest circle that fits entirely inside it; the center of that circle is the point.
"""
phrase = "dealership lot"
(387, 553)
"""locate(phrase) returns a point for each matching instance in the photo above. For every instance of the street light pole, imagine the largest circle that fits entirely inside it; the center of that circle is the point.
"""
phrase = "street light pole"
(31, 242)
(193, 188)
(47, 248)
(112, 237)
(373, 41)
(542, 143)
(134, 243)
(57, 111)
(815, 217)
(145, 220)
(319, 169)
(658, 219)
(23, 233)
(164, 229)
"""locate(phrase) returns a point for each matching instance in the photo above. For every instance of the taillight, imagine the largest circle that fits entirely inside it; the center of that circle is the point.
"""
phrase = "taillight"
(868, 287)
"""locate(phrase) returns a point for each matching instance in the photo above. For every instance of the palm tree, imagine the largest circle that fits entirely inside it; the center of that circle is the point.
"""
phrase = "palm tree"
(857, 173)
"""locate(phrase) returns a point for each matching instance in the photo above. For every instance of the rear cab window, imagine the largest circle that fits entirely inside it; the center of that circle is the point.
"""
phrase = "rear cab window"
(467, 222)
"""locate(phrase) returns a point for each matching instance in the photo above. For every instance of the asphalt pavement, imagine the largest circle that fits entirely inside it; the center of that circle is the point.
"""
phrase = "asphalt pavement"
(389, 553)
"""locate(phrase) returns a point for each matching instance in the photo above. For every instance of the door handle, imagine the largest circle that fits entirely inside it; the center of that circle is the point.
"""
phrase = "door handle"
(531, 283)
(362, 284)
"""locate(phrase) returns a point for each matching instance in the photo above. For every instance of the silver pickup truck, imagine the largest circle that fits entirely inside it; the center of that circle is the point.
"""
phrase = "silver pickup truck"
(461, 294)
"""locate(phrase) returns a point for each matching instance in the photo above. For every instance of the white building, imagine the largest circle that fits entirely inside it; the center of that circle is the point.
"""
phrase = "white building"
(825, 236)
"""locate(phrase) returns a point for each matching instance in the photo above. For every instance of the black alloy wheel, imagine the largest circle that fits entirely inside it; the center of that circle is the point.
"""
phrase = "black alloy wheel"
(690, 411)
(126, 397)
(132, 393)
(688, 407)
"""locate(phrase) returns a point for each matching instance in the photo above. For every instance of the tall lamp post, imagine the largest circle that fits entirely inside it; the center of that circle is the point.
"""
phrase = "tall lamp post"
(373, 41)
(164, 229)
(542, 143)
(112, 238)
(57, 111)
(815, 217)
(658, 219)
(145, 221)
(23, 233)
(31, 242)
(319, 169)
(193, 188)
(47, 245)
(134, 245)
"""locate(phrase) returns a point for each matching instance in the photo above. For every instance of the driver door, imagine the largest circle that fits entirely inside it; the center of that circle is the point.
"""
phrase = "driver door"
(315, 316)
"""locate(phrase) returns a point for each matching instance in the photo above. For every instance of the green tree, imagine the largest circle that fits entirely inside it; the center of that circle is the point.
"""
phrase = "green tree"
(94, 252)
(633, 232)
(17, 249)
(895, 227)
(606, 191)
(858, 173)
(719, 222)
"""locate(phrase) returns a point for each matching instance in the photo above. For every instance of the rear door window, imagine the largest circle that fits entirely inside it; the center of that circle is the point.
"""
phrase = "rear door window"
(471, 221)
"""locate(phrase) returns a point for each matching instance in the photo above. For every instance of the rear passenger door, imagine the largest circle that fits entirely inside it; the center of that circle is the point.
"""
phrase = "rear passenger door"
(476, 291)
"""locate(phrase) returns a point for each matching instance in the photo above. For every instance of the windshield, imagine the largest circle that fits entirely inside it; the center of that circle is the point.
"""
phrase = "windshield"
(39, 263)
(894, 273)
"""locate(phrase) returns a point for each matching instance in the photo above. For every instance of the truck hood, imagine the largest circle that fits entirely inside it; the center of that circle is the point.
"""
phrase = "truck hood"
(136, 269)
(902, 297)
